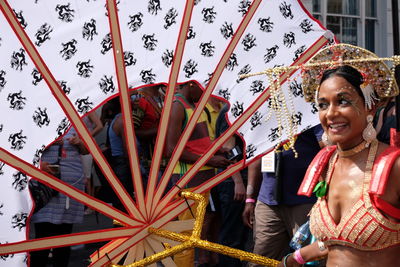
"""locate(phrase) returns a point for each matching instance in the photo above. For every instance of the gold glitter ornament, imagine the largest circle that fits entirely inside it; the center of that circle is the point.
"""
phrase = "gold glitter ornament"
(194, 240)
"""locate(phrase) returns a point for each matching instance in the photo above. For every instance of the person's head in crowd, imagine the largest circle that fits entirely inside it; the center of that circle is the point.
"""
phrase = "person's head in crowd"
(192, 90)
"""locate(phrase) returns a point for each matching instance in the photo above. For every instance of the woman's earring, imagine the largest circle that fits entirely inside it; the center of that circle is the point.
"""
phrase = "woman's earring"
(369, 133)
(325, 139)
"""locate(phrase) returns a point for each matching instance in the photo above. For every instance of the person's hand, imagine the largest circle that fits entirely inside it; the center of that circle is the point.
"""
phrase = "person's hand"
(74, 140)
(219, 162)
(44, 166)
(248, 214)
(240, 192)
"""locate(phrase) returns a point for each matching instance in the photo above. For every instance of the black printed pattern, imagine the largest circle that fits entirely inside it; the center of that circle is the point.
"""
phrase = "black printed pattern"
(20, 181)
(19, 220)
(74, 40)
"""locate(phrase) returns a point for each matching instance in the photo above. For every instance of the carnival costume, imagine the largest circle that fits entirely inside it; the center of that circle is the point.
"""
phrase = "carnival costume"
(363, 227)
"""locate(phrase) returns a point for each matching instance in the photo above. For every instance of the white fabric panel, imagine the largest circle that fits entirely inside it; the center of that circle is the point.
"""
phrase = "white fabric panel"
(73, 39)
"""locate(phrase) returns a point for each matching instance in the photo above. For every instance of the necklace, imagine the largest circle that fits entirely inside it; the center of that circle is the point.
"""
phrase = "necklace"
(355, 150)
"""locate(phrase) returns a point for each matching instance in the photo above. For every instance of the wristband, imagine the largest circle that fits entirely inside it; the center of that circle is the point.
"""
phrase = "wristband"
(285, 259)
(298, 258)
(250, 200)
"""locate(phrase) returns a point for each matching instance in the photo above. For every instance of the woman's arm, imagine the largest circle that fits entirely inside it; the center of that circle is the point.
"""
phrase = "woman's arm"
(309, 253)
(98, 125)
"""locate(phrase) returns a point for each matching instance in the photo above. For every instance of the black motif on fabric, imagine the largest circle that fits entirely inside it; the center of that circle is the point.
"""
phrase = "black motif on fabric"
(43, 34)
(84, 68)
(1, 167)
(298, 52)
(209, 76)
(107, 85)
(106, 44)
(209, 14)
(295, 88)
(191, 34)
(296, 118)
(275, 134)
(271, 53)
(20, 181)
(154, 6)
(266, 25)
(1, 128)
(245, 70)
(232, 62)
(306, 26)
(129, 60)
(148, 76)
(83, 105)
(89, 30)
(207, 49)
(237, 109)
(2, 204)
(227, 30)
(2, 79)
(167, 58)
(224, 93)
(255, 120)
(190, 68)
(64, 87)
(17, 101)
(244, 6)
(314, 109)
(18, 59)
(170, 18)
(20, 19)
(65, 12)
(289, 39)
(286, 10)
(37, 77)
(17, 140)
(68, 49)
(19, 220)
(250, 150)
(37, 156)
(40, 117)
(62, 127)
(196, 2)
(257, 86)
(135, 22)
(149, 42)
(249, 41)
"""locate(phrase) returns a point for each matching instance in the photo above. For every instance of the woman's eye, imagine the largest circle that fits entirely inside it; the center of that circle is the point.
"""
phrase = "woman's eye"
(322, 106)
(344, 102)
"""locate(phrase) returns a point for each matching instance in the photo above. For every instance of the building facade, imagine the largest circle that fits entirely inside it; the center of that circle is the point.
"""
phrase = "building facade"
(365, 23)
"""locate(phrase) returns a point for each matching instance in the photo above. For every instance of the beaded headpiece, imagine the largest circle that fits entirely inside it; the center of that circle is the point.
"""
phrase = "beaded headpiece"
(379, 80)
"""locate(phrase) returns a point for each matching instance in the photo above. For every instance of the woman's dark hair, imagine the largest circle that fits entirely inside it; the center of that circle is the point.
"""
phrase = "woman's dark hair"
(347, 72)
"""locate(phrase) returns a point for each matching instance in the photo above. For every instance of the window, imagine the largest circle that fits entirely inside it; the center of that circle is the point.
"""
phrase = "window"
(352, 21)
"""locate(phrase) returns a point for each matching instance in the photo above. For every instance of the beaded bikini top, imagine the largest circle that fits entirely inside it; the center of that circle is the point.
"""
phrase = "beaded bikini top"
(363, 226)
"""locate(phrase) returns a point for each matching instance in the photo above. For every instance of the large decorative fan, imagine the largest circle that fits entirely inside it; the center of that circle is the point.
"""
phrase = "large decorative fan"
(60, 59)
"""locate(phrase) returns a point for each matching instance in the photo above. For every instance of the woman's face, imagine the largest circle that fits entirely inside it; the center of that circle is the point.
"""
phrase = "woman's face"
(342, 112)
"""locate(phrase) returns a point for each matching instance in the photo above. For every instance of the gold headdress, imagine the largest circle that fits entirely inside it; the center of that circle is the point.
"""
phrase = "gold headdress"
(378, 77)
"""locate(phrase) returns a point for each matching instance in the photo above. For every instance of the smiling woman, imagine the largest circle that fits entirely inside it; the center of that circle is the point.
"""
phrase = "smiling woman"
(356, 220)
